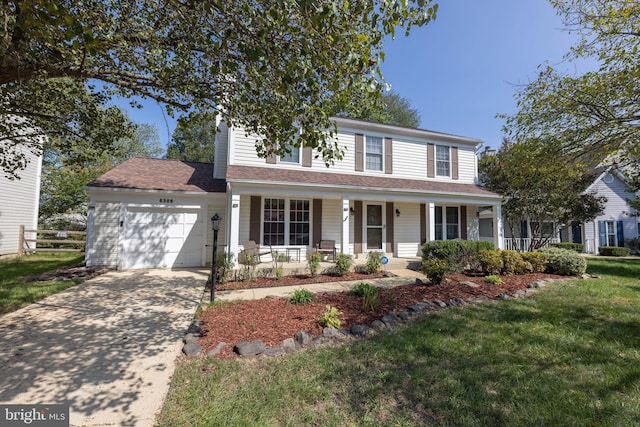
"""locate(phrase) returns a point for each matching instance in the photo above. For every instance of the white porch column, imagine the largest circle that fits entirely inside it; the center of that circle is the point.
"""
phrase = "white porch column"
(344, 244)
(498, 229)
(90, 237)
(431, 221)
(234, 224)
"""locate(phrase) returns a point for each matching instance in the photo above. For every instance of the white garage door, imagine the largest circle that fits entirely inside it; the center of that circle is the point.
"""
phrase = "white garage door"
(161, 238)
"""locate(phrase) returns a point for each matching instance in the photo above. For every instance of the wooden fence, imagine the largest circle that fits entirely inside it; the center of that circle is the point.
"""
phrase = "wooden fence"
(61, 241)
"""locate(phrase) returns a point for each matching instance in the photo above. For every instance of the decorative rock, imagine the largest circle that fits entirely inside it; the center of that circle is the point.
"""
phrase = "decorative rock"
(427, 304)
(503, 296)
(460, 301)
(470, 284)
(417, 308)
(214, 351)
(253, 348)
(319, 340)
(194, 328)
(439, 303)
(388, 274)
(190, 338)
(302, 338)
(403, 314)
(420, 282)
(378, 325)
(276, 351)
(288, 345)
(390, 318)
(537, 284)
(331, 333)
(519, 294)
(192, 349)
(361, 330)
(451, 303)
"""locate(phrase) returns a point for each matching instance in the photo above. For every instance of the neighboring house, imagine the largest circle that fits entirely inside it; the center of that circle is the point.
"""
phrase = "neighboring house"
(618, 222)
(20, 201)
(394, 189)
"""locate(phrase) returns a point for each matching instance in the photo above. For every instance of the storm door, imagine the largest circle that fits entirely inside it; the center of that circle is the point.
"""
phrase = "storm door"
(374, 227)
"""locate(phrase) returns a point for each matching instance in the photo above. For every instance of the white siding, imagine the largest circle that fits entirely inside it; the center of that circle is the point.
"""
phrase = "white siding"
(245, 218)
(221, 152)
(106, 231)
(332, 221)
(407, 230)
(616, 208)
(20, 205)
(409, 157)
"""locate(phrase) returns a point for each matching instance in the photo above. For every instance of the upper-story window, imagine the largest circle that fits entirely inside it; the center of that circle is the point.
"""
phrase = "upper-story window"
(374, 153)
(293, 156)
(443, 160)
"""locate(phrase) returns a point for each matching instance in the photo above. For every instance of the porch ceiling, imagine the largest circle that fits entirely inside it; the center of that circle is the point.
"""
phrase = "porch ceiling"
(352, 181)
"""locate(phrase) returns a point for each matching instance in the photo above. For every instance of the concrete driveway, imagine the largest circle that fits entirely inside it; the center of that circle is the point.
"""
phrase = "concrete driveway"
(106, 347)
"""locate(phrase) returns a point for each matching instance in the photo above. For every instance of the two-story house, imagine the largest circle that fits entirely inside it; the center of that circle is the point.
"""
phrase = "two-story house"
(394, 189)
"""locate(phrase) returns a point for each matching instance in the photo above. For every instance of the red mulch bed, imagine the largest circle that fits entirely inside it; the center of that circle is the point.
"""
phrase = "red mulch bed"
(295, 280)
(272, 320)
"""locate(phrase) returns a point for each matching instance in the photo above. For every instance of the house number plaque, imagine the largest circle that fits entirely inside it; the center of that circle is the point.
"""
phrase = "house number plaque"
(166, 200)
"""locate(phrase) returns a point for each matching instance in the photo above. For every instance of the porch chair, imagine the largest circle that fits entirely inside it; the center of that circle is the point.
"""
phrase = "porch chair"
(327, 247)
(252, 249)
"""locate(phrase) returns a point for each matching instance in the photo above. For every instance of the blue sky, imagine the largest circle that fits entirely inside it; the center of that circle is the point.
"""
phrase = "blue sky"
(459, 71)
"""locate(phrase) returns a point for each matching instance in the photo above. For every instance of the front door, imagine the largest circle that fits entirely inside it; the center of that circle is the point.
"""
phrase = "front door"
(374, 227)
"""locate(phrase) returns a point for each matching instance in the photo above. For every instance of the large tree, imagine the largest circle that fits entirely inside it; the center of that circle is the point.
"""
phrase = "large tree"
(541, 186)
(64, 177)
(270, 65)
(193, 139)
(595, 114)
(391, 108)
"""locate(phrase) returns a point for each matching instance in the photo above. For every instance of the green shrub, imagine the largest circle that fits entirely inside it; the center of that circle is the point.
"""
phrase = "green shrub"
(564, 262)
(435, 269)
(577, 247)
(490, 261)
(370, 295)
(460, 254)
(343, 264)
(224, 265)
(329, 318)
(313, 262)
(513, 263)
(538, 261)
(493, 279)
(374, 262)
(302, 296)
(613, 251)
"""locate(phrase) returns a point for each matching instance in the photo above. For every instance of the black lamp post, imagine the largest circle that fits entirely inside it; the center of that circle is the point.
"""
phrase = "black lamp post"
(215, 224)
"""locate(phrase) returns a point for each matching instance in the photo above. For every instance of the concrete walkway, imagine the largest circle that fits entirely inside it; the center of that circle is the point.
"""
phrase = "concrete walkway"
(402, 276)
(106, 347)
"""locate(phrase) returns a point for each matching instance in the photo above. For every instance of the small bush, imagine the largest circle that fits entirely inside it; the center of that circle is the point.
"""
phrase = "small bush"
(460, 254)
(224, 265)
(613, 251)
(564, 262)
(493, 279)
(436, 270)
(329, 318)
(302, 296)
(633, 244)
(374, 262)
(577, 247)
(313, 262)
(490, 261)
(370, 295)
(343, 264)
(538, 261)
(513, 263)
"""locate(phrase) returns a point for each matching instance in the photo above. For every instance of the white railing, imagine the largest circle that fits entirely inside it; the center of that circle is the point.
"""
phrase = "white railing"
(589, 246)
(523, 244)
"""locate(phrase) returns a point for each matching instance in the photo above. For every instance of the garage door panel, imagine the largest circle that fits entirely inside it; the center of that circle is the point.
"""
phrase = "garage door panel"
(158, 237)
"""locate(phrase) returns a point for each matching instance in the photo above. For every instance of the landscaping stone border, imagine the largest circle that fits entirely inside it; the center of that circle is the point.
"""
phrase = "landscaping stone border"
(253, 349)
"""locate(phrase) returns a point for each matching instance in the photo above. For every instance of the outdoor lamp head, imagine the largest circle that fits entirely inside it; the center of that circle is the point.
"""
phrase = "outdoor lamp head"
(215, 222)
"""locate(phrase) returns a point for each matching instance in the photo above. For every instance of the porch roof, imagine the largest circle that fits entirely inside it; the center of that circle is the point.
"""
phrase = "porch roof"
(324, 179)
(161, 174)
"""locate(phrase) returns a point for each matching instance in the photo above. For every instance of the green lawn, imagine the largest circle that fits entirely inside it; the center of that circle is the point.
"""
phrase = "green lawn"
(569, 356)
(15, 293)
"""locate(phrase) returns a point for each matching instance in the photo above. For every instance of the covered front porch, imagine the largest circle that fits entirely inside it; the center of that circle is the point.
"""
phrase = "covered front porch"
(293, 220)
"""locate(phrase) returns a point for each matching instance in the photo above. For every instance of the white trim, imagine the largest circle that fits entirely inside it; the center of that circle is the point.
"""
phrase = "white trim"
(346, 214)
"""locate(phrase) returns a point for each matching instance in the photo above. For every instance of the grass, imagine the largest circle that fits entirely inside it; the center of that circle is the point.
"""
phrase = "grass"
(16, 293)
(570, 355)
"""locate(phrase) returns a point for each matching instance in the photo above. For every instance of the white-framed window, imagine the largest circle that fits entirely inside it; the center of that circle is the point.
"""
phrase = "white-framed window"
(286, 222)
(373, 153)
(293, 156)
(447, 223)
(443, 160)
